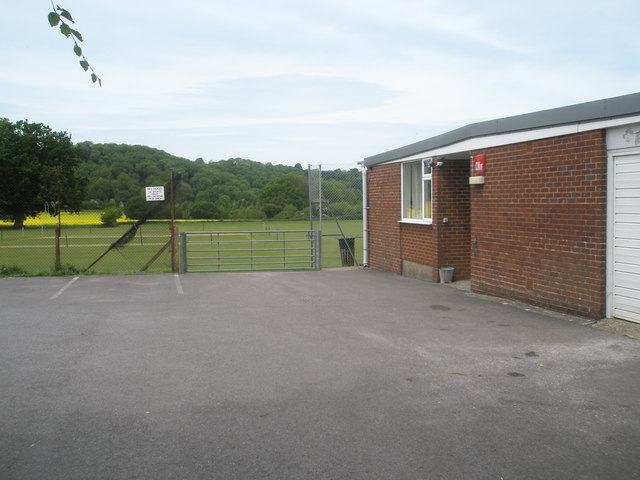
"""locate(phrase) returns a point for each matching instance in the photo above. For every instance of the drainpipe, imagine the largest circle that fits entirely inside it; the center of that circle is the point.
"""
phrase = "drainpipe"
(365, 213)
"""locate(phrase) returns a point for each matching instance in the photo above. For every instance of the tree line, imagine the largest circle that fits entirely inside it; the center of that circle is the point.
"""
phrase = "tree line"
(38, 165)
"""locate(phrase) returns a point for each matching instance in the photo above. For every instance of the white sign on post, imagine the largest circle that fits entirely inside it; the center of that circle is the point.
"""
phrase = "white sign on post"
(154, 194)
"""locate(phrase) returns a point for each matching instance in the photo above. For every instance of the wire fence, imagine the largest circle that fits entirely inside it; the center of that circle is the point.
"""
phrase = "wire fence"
(335, 204)
(91, 241)
(32, 249)
(40, 248)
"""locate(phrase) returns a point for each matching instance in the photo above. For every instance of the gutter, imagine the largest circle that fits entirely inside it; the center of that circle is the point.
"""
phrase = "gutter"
(365, 215)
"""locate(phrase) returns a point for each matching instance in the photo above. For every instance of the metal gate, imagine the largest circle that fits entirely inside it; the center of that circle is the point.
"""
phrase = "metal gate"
(265, 250)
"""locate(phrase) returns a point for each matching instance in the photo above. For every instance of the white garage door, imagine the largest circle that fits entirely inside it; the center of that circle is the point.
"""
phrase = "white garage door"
(626, 252)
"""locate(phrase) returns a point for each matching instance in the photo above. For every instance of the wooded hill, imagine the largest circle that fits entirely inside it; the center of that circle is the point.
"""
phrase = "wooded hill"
(227, 189)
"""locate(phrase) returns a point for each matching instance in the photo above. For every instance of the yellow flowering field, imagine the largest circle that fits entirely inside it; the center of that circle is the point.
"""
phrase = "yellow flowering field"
(87, 217)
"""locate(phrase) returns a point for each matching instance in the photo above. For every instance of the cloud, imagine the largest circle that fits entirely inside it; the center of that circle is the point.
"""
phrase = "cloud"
(289, 95)
(331, 79)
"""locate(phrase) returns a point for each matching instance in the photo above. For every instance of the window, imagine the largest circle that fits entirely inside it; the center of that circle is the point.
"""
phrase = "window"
(416, 191)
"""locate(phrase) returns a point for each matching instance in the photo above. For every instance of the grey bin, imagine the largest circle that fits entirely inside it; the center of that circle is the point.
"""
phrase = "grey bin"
(446, 274)
(347, 251)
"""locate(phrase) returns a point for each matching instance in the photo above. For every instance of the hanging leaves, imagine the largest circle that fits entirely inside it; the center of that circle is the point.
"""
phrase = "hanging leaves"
(56, 18)
(65, 29)
(64, 13)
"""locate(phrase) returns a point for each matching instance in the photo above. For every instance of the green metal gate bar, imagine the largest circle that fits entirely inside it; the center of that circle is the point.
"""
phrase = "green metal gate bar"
(248, 251)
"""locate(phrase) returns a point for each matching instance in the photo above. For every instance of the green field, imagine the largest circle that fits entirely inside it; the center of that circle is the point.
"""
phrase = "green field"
(33, 248)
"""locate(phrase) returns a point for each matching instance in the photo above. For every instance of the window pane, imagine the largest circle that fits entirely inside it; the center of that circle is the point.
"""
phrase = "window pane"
(412, 191)
(427, 199)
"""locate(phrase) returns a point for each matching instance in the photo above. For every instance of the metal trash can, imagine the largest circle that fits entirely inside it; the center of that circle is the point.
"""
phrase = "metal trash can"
(446, 274)
(347, 251)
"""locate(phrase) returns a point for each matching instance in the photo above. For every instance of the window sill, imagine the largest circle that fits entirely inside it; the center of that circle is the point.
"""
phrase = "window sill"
(416, 222)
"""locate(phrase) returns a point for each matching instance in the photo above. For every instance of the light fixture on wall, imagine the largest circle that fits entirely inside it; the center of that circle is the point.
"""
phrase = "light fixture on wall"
(433, 162)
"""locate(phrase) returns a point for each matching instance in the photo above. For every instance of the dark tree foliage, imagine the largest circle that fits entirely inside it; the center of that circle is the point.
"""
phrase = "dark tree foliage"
(135, 207)
(238, 188)
(288, 189)
(37, 166)
(206, 210)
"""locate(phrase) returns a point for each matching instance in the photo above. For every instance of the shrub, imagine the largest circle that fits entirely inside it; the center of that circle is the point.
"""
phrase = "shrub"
(12, 271)
(65, 270)
(204, 210)
(249, 212)
(110, 216)
(287, 213)
(135, 207)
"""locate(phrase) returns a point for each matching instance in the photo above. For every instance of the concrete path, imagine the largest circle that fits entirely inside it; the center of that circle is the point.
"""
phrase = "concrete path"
(317, 375)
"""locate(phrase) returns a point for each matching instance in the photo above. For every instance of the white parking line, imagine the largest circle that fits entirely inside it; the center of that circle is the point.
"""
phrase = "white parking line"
(61, 291)
(176, 277)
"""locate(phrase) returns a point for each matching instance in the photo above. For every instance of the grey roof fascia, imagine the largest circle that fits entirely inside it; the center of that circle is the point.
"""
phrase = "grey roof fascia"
(608, 108)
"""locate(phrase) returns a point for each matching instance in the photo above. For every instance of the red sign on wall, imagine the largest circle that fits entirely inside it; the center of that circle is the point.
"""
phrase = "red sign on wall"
(480, 163)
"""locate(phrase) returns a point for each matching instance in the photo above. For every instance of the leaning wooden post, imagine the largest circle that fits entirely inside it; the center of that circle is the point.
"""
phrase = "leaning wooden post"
(59, 227)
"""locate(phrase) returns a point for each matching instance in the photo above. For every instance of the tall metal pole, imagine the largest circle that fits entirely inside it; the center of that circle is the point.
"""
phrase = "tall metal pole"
(311, 187)
(172, 213)
(320, 196)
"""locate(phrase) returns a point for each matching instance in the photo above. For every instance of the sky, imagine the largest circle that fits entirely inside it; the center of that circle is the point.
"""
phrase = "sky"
(324, 82)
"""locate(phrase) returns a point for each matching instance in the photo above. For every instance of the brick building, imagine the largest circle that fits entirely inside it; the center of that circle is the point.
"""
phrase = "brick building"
(542, 207)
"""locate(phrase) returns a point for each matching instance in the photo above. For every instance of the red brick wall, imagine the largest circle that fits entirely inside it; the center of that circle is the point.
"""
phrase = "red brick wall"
(383, 192)
(440, 244)
(419, 244)
(540, 223)
(451, 199)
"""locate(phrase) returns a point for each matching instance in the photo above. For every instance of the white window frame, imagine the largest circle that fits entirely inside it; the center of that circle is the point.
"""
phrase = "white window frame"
(426, 170)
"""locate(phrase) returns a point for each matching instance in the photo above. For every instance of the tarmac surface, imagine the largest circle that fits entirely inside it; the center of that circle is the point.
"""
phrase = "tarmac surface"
(343, 374)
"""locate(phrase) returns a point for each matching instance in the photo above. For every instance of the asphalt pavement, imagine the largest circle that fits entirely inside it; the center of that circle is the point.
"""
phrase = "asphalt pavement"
(344, 374)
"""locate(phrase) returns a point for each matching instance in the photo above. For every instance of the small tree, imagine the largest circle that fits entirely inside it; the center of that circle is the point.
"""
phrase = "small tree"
(204, 210)
(249, 212)
(110, 216)
(135, 207)
(289, 212)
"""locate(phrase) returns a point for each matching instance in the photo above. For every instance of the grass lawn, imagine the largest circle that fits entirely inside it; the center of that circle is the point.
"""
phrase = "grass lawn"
(83, 240)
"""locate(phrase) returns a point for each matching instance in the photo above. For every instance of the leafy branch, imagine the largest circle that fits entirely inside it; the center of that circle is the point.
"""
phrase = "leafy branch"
(56, 18)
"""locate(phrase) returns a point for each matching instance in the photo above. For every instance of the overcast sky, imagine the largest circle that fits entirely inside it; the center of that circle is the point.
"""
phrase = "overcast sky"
(312, 82)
